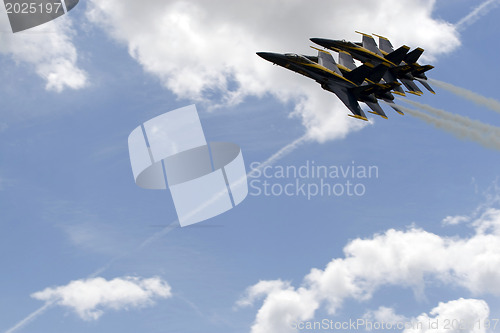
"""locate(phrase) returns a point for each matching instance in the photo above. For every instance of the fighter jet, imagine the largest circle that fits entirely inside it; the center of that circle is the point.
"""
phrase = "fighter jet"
(346, 64)
(349, 88)
(413, 70)
(368, 51)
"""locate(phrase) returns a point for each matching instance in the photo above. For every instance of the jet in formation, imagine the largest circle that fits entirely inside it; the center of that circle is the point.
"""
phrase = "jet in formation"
(377, 78)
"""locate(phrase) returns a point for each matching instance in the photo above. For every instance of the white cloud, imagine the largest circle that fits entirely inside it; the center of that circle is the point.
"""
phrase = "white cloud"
(406, 258)
(91, 297)
(462, 315)
(454, 220)
(385, 315)
(49, 50)
(200, 49)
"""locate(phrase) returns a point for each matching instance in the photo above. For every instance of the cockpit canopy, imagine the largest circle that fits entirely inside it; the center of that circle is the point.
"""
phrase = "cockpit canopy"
(298, 58)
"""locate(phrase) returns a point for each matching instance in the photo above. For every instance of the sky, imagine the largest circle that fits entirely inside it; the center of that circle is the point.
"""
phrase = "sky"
(412, 237)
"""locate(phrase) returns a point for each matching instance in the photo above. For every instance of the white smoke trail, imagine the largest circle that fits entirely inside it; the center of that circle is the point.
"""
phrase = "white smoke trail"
(490, 103)
(272, 159)
(462, 120)
(481, 10)
(456, 128)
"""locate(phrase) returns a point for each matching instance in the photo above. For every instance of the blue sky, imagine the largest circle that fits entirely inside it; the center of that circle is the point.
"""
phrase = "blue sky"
(70, 207)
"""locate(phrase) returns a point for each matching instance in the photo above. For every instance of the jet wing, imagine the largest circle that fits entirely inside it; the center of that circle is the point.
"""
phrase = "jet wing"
(426, 85)
(412, 87)
(394, 106)
(377, 109)
(348, 99)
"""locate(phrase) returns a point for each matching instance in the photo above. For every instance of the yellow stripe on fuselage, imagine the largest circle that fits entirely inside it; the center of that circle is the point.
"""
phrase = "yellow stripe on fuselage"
(318, 66)
(359, 48)
(343, 68)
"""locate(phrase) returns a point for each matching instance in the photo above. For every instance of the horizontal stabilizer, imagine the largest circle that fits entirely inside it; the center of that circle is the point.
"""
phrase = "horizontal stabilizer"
(412, 57)
(378, 72)
(397, 56)
(358, 75)
(421, 70)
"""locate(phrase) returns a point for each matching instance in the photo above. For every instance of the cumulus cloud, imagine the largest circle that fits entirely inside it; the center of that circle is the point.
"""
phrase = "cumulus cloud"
(385, 315)
(205, 50)
(461, 315)
(49, 50)
(405, 258)
(91, 297)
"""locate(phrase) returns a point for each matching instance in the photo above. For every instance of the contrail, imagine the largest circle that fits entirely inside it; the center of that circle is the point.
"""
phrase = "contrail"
(32, 316)
(473, 16)
(490, 103)
(276, 156)
(281, 153)
(462, 120)
(456, 128)
(173, 225)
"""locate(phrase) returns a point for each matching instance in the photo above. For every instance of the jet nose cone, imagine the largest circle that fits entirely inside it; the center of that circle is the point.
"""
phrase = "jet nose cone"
(316, 40)
(323, 42)
(266, 55)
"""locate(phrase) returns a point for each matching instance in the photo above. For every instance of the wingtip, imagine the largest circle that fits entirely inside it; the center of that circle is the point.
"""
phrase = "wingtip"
(358, 117)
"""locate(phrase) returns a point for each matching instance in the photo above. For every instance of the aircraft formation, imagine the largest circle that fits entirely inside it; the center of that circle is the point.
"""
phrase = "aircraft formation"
(379, 76)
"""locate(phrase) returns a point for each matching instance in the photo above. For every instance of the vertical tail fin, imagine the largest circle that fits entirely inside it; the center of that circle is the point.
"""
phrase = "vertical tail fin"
(369, 43)
(325, 59)
(346, 60)
(358, 75)
(384, 44)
